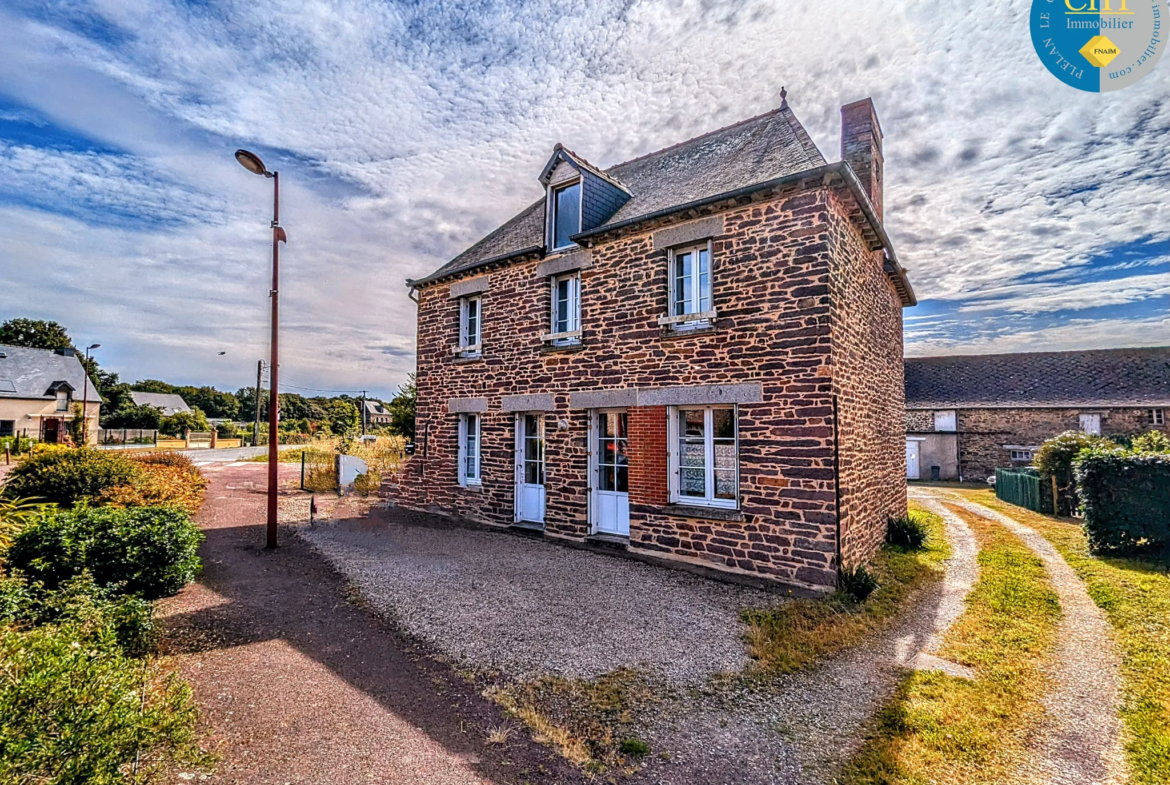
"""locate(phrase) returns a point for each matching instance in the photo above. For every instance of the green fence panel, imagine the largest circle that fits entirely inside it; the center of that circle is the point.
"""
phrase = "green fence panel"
(1021, 488)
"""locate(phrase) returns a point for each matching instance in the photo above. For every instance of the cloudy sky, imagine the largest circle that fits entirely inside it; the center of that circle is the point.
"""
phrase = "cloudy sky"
(1031, 216)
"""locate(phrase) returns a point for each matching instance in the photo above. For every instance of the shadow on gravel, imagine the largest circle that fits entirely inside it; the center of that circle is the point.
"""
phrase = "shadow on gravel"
(292, 595)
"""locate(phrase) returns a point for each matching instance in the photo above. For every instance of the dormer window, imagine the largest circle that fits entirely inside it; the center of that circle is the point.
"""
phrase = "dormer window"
(62, 400)
(566, 215)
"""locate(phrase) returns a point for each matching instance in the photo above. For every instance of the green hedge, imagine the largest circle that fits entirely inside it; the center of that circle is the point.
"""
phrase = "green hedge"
(148, 552)
(1125, 498)
(66, 477)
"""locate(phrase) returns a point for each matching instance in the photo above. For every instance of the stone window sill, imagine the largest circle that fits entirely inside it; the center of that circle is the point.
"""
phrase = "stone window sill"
(707, 513)
(678, 322)
(670, 334)
(556, 348)
(473, 487)
(476, 358)
(615, 540)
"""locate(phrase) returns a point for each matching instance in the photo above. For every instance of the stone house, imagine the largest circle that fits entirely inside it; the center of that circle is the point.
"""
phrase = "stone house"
(693, 357)
(376, 413)
(968, 415)
(38, 390)
(168, 404)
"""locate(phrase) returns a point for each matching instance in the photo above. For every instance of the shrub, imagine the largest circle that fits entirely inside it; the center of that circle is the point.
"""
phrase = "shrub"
(15, 514)
(1125, 498)
(148, 552)
(65, 476)
(907, 531)
(180, 422)
(635, 747)
(857, 583)
(73, 709)
(158, 484)
(1154, 441)
(164, 458)
(1055, 459)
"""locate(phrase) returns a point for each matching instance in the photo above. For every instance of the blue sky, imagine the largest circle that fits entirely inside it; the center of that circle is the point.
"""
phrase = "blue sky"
(1031, 216)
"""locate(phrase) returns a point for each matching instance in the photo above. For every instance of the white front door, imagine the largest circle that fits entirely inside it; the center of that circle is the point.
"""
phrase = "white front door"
(912, 470)
(611, 472)
(530, 468)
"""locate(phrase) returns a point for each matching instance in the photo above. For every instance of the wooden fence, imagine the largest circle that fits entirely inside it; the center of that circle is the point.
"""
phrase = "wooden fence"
(1019, 487)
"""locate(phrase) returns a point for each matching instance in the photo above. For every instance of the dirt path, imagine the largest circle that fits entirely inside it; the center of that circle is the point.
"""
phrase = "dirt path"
(1083, 746)
(801, 730)
(297, 685)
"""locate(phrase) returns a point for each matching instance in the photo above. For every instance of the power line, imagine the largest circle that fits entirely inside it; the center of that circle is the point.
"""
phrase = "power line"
(316, 389)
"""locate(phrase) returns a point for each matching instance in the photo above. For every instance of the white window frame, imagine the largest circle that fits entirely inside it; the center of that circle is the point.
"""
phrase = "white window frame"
(469, 342)
(946, 421)
(695, 317)
(1022, 455)
(675, 474)
(1156, 416)
(552, 212)
(572, 333)
(62, 400)
(470, 425)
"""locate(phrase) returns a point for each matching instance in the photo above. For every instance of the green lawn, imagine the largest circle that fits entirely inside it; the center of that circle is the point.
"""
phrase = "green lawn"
(941, 728)
(1135, 596)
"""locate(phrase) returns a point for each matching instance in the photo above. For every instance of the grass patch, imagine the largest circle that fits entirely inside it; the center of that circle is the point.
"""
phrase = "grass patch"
(589, 722)
(941, 728)
(798, 634)
(283, 456)
(1135, 597)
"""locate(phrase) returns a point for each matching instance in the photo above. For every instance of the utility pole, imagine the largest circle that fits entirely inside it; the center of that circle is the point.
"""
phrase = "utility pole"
(256, 422)
(363, 412)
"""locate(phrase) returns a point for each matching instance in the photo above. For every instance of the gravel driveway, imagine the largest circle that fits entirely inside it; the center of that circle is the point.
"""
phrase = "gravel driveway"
(527, 607)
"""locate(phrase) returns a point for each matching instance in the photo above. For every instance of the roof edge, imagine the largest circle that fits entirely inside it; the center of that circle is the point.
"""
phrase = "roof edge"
(922, 406)
(505, 257)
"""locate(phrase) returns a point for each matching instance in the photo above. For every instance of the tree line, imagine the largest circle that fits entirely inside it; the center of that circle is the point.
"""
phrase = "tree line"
(338, 415)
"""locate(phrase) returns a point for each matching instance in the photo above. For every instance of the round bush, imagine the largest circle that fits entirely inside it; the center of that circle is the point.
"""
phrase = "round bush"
(67, 476)
(148, 552)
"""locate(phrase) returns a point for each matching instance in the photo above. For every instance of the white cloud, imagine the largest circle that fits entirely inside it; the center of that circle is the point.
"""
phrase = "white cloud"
(404, 133)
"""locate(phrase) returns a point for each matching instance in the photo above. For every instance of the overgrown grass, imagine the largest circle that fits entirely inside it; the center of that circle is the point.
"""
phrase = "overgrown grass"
(941, 728)
(1135, 596)
(798, 634)
(283, 456)
(587, 721)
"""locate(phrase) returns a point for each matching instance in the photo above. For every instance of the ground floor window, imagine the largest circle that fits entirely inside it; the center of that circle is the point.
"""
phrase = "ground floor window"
(469, 473)
(1022, 455)
(704, 457)
(7, 428)
(1156, 416)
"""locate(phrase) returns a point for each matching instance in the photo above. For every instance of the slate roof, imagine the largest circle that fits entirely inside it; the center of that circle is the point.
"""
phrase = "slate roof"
(376, 407)
(170, 403)
(29, 373)
(1105, 378)
(753, 151)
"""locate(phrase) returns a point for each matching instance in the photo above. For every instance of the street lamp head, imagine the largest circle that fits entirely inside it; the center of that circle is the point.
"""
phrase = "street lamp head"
(251, 162)
(95, 346)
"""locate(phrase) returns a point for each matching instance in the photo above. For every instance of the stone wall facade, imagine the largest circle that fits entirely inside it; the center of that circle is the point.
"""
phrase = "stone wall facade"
(985, 436)
(804, 314)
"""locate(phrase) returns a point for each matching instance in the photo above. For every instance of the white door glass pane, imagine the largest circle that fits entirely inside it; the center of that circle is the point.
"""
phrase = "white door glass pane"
(533, 450)
(704, 282)
(683, 275)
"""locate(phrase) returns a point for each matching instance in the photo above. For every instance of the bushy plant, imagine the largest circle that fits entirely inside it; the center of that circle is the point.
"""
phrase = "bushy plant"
(1055, 459)
(73, 709)
(856, 583)
(15, 514)
(181, 422)
(1125, 499)
(164, 458)
(65, 476)
(907, 531)
(1154, 441)
(148, 552)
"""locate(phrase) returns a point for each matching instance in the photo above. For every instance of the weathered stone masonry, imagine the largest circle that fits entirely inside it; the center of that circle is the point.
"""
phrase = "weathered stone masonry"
(808, 323)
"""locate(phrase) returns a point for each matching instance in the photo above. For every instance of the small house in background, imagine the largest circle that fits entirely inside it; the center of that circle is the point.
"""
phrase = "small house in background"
(38, 388)
(377, 414)
(167, 403)
(966, 416)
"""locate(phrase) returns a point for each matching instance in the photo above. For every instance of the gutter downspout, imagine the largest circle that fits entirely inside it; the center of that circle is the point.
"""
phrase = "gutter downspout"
(837, 478)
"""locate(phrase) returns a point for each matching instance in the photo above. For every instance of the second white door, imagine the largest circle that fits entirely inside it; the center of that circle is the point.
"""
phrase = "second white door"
(530, 468)
(611, 467)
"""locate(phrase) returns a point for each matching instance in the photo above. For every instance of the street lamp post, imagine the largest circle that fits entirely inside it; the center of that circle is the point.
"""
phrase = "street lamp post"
(253, 164)
(85, 397)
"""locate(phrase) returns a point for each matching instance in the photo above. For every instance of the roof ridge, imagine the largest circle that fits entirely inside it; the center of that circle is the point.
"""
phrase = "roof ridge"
(677, 145)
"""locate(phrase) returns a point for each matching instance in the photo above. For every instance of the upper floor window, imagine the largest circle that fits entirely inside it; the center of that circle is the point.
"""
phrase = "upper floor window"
(62, 401)
(566, 215)
(470, 324)
(946, 421)
(1156, 416)
(705, 462)
(566, 308)
(690, 286)
(469, 449)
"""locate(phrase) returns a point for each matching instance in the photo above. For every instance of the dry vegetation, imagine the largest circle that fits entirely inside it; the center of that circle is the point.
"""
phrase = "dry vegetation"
(798, 634)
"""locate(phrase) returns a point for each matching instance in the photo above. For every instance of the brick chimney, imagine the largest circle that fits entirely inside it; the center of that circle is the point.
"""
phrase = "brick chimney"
(861, 147)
